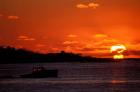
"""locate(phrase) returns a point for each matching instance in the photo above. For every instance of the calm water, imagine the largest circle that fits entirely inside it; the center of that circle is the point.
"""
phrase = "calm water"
(75, 77)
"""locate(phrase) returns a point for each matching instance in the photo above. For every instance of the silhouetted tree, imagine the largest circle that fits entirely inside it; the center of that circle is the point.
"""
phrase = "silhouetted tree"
(11, 55)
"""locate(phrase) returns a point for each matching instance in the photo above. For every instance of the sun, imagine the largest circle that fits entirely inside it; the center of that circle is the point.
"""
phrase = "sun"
(118, 56)
(118, 48)
(117, 51)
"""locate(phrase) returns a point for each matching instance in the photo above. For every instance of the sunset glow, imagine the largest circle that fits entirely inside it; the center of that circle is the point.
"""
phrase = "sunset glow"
(88, 27)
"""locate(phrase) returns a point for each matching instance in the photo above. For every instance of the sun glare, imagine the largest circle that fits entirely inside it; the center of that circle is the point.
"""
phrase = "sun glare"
(118, 48)
(117, 51)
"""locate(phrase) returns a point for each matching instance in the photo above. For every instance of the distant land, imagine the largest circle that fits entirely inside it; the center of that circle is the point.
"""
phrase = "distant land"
(12, 55)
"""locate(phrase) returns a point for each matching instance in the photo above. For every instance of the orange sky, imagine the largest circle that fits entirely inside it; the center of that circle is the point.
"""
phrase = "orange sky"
(89, 27)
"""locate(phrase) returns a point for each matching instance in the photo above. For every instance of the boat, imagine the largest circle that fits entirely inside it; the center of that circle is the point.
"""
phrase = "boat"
(41, 72)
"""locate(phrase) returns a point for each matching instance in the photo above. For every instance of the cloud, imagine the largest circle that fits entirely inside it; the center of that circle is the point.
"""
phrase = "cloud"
(40, 45)
(1, 15)
(98, 45)
(19, 46)
(82, 6)
(93, 5)
(70, 42)
(10, 17)
(93, 49)
(110, 40)
(133, 52)
(84, 47)
(25, 38)
(72, 36)
(89, 5)
(13, 17)
(100, 36)
(22, 37)
(55, 49)
(104, 40)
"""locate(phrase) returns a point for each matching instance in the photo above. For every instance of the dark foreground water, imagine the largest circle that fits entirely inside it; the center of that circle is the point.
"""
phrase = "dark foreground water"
(75, 77)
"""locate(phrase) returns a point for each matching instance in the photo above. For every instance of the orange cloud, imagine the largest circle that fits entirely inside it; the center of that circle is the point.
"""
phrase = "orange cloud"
(1, 15)
(13, 17)
(55, 49)
(98, 45)
(19, 47)
(132, 46)
(29, 39)
(104, 40)
(111, 41)
(82, 6)
(68, 49)
(88, 49)
(22, 37)
(93, 48)
(70, 42)
(85, 47)
(93, 5)
(89, 5)
(132, 52)
(100, 36)
(72, 36)
(25, 38)
(40, 45)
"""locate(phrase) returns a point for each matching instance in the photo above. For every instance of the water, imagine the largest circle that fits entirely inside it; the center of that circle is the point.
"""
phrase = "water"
(75, 77)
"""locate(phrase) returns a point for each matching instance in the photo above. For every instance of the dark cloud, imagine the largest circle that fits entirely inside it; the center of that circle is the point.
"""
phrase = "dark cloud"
(133, 52)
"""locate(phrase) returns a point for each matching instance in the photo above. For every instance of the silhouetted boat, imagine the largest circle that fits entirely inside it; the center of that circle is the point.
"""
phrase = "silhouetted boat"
(41, 72)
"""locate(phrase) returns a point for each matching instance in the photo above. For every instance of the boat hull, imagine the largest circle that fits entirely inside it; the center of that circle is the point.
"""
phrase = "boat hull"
(42, 74)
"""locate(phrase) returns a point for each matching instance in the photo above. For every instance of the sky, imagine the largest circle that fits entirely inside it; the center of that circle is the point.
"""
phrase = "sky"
(89, 27)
